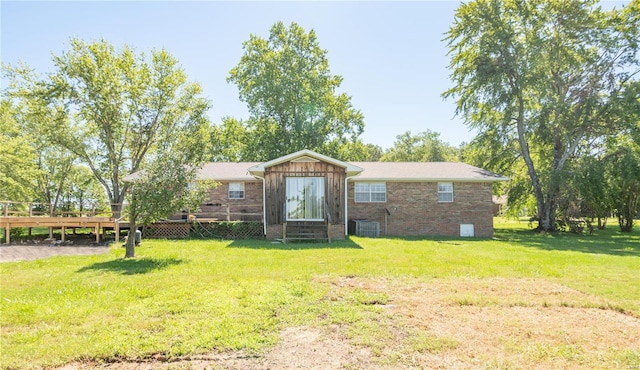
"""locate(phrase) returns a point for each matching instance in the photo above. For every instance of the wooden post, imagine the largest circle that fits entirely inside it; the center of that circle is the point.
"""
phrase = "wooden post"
(284, 233)
(8, 233)
(50, 215)
(6, 209)
(29, 230)
(98, 232)
(63, 233)
(228, 213)
(117, 231)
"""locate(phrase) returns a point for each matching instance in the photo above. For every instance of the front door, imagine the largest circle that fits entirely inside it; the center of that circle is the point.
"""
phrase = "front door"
(305, 198)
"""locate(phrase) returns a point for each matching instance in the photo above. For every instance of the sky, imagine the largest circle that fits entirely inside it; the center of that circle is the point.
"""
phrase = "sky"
(391, 55)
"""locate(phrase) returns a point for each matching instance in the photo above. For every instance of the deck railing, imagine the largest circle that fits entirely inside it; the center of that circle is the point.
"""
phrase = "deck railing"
(35, 209)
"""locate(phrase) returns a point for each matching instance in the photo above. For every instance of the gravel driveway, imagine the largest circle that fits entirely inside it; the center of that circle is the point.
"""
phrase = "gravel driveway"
(9, 253)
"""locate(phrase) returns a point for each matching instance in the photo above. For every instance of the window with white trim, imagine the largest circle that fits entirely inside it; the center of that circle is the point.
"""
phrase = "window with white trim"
(370, 192)
(236, 190)
(445, 192)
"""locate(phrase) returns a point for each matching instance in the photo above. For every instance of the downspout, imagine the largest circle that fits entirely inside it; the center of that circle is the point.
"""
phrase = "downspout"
(264, 205)
(346, 202)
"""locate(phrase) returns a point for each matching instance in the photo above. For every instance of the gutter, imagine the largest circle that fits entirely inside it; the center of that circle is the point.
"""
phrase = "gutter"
(264, 204)
(346, 203)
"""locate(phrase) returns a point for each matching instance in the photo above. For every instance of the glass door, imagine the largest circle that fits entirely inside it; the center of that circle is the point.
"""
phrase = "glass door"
(305, 198)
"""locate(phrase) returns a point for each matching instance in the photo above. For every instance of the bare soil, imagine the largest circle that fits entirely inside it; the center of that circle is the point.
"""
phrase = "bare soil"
(447, 324)
(32, 249)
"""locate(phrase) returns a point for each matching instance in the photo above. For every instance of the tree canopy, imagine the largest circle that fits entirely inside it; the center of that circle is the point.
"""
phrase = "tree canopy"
(17, 157)
(292, 95)
(423, 147)
(114, 109)
(163, 188)
(544, 80)
(34, 170)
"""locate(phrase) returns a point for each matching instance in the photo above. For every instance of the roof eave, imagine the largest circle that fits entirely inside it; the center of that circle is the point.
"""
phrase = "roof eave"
(430, 179)
(259, 169)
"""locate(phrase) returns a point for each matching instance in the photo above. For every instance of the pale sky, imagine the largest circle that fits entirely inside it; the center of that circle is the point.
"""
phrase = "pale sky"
(390, 54)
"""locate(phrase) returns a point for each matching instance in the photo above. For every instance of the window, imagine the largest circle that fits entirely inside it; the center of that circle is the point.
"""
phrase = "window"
(236, 190)
(305, 198)
(370, 192)
(445, 192)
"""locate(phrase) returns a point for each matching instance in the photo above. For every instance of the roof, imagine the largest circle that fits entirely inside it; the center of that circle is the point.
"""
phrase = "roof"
(371, 171)
(363, 171)
(425, 171)
(226, 171)
(305, 153)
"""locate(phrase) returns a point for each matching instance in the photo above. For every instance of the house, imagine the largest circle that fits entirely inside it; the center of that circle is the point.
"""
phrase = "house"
(309, 195)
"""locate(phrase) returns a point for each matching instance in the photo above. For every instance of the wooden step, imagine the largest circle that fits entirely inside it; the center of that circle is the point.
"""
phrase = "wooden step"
(306, 231)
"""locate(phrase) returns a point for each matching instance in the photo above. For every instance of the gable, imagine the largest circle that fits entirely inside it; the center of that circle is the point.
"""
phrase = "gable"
(304, 156)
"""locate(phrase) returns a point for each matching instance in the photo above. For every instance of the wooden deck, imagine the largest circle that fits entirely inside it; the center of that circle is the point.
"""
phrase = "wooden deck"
(63, 223)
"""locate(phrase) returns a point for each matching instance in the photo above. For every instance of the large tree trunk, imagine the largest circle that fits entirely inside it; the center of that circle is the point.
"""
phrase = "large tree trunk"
(627, 213)
(545, 207)
(626, 223)
(547, 215)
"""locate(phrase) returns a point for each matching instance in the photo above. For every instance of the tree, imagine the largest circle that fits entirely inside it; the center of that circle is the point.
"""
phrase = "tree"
(17, 157)
(545, 73)
(231, 141)
(422, 147)
(623, 182)
(594, 193)
(626, 184)
(83, 192)
(291, 95)
(358, 151)
(234, 141)
(166, 186)
(34, 170)
(113, 109)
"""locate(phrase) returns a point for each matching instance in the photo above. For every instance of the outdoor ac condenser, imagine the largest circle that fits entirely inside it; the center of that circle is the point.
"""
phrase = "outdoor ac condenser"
(366, 228)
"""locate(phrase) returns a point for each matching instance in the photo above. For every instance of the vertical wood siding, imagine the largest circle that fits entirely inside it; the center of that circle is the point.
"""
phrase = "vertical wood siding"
(275, 183)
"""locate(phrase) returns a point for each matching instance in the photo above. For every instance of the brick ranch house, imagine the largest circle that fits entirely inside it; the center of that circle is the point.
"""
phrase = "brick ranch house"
(305, 191)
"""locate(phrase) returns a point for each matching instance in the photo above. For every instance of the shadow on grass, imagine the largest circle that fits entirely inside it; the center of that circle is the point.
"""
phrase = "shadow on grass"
(133, 266)
(608, 241)
(293, 246)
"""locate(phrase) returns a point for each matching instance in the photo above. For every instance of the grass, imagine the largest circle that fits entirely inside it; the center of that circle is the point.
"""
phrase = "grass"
(181, 298)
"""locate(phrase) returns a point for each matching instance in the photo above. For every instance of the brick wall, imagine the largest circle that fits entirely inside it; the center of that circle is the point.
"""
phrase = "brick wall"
(247, 209)
(415, 209)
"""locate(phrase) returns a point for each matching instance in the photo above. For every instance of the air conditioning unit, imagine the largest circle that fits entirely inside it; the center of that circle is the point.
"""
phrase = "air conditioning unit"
(366, 228)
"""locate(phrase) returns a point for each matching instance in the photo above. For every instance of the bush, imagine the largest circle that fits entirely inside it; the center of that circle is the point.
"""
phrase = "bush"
(230, 230)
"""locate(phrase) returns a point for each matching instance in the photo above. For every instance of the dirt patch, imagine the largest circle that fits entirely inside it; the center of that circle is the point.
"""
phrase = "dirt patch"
(521, 323)
(449, 323)
(32, 249)
(14, 253)
(299, 347)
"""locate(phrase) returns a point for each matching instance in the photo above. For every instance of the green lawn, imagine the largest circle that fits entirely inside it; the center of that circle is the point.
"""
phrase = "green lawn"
(180, 298)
